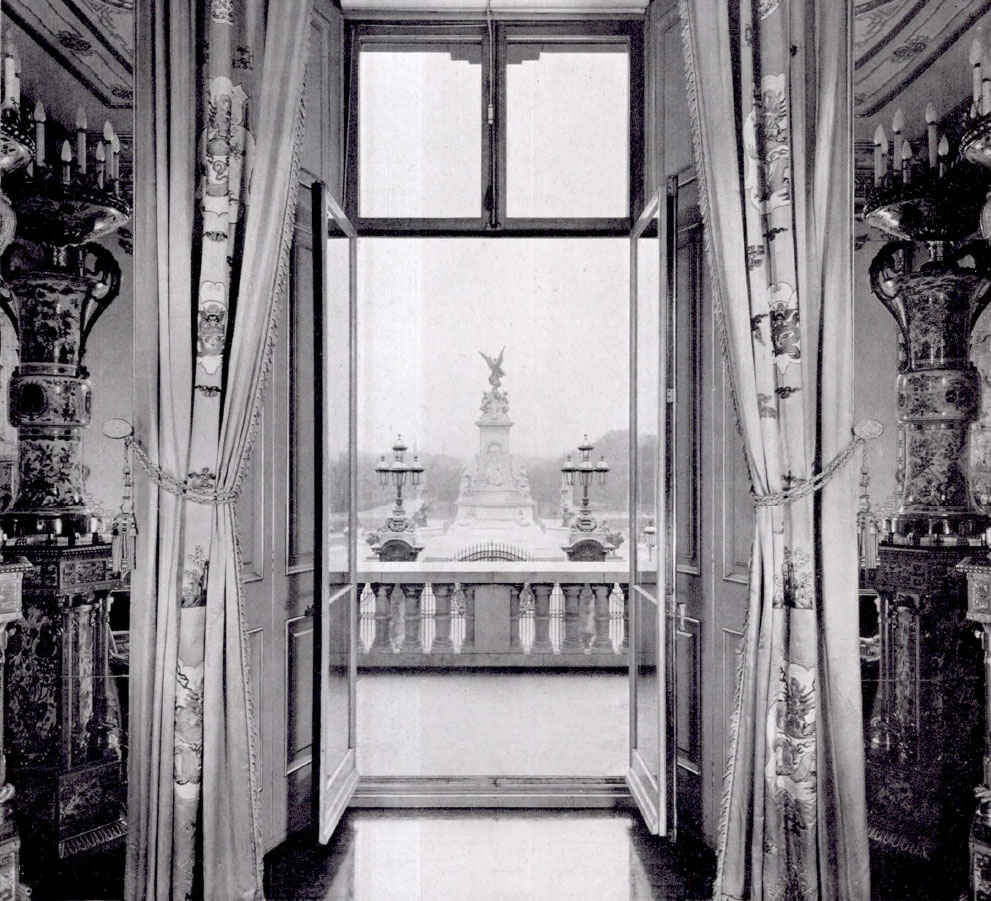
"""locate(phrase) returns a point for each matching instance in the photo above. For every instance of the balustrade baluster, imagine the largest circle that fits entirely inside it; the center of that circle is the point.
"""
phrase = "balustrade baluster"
(468, 643)
(412, 642)
(624, 594)
(442, 617)
(602, 640)
(383, 616)
(514, 617)
(572, 619)
(542, 617)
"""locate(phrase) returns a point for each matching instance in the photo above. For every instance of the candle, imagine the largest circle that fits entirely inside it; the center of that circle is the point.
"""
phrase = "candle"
(115, 159)
(101, 157)
(944, 151)
(933, 135)
(66, 163)
(897, 124)
(57, 525)
(81, 139)
(92, 524)
(9, 76)
(17, 75)
(985, 84)
(906, 162)
(976, 54)
(884, 154)
(879, 139)
(39, 133)
(108, 140)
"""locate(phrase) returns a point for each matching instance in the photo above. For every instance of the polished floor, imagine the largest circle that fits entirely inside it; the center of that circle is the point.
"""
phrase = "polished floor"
(512, 723)
(488, 855)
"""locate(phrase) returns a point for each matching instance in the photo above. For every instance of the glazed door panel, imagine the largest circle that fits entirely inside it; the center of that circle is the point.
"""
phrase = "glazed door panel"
(684, 278)
(651, 772)
(334, 321)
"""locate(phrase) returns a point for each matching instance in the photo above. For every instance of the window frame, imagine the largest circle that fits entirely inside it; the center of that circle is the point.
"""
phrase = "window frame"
(493, 175)
(412, 33)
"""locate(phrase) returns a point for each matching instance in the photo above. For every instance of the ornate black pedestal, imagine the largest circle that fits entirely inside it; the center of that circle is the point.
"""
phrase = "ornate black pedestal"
(926, 731)
(63, 737)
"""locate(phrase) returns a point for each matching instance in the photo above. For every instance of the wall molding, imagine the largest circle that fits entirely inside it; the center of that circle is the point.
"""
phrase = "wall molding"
(492, 791)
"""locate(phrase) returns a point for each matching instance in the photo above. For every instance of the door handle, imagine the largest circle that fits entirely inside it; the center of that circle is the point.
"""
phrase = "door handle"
(681, 618)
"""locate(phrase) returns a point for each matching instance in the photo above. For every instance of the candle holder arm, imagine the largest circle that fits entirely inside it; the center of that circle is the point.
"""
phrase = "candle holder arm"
(99, 262)
(6, 296)
(889, 263)
(980, 252)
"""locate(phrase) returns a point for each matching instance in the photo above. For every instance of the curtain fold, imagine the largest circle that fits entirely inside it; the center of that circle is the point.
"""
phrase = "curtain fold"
(219, 94)
(769, 93)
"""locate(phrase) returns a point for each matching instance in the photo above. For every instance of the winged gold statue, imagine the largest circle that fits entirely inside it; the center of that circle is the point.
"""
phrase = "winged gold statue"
(495, 366)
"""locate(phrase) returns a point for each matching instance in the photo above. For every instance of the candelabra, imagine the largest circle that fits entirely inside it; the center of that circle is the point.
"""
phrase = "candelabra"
(975, 146)
(397, 539)
(587, 540)
(17, 148)
(61, 724)
(924, 733)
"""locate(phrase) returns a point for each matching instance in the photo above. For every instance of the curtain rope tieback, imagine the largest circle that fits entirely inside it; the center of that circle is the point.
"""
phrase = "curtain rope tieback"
(196, 487)
(864, 431)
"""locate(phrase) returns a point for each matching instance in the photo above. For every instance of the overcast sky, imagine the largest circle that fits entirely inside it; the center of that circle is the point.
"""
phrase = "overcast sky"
(426, 307)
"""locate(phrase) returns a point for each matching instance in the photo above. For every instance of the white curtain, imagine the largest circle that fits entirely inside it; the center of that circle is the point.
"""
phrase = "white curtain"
(219, 105)
(769, 87)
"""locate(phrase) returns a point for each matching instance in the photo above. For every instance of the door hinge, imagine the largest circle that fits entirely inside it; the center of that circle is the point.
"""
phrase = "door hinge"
(670, 395)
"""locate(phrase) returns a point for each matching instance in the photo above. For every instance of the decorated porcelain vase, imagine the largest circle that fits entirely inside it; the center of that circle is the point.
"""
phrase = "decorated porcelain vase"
(938, 389)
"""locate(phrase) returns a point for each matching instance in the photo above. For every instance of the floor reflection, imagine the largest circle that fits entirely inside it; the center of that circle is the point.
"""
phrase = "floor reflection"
(485, 855)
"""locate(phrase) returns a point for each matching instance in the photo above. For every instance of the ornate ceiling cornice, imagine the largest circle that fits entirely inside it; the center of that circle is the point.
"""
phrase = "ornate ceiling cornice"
(92, 39)
(895, 41)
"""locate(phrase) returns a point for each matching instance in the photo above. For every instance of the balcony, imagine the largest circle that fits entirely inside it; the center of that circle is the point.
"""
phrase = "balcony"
(521, 616)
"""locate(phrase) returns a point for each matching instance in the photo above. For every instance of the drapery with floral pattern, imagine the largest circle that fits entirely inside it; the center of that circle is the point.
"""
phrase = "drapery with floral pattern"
(769, 86)
(219, 95)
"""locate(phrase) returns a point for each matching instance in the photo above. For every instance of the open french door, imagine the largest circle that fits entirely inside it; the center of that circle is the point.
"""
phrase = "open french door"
(651, 774)
(334, 259)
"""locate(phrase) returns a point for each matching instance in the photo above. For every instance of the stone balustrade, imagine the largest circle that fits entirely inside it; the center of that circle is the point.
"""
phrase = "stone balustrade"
(506, 615)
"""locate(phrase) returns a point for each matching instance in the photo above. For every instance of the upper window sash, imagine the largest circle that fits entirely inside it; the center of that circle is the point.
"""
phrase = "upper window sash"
(514, 44)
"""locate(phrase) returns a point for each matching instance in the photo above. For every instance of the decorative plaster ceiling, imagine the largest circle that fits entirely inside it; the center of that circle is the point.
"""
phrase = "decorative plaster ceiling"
(93, 39)
(895, 41)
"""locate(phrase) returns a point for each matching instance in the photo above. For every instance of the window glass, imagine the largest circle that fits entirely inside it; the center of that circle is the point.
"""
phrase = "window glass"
(567, 130)
(420, 130)
(648, 372)
(337, 401)
(429, 307)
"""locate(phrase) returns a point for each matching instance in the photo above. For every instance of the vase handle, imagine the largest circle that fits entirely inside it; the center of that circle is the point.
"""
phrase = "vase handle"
(107, 272)
(980, 252)
(886, 265)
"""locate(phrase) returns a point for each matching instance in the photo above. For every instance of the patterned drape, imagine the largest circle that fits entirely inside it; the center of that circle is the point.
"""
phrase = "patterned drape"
(219, 107)
(769, 86)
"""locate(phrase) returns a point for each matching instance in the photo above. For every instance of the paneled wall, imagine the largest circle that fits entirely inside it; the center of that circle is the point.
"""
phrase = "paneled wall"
(276, 510)
(712, 576)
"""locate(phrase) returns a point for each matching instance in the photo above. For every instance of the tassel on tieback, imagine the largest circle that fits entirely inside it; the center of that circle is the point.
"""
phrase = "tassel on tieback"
(123, 548)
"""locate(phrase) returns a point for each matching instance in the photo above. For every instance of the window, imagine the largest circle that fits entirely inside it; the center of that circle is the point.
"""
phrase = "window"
(419, 135)
(522, 129)
(567, 130)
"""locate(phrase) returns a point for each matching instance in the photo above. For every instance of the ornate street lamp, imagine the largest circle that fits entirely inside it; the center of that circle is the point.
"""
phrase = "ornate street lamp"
(398, 471)
(398, 539)
(586, 471)
(588, 541)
